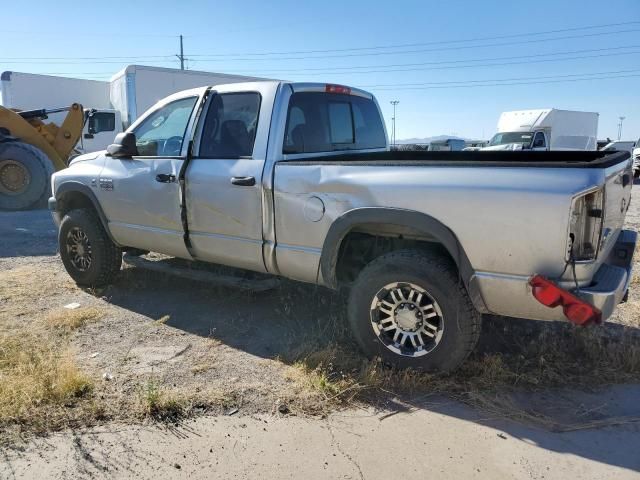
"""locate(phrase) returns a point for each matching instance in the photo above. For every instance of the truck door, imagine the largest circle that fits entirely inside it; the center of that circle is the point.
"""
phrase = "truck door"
(141, 195)
(223, 180)
(100, 129)
(539, 142)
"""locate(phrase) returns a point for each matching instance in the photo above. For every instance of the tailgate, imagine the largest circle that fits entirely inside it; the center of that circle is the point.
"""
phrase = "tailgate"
(617, 191)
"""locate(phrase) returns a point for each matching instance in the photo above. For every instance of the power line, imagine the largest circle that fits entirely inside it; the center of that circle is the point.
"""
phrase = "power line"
(449, 67)
(378, 47)
(439, 62)
(440, 42)
(428, 66)
(214, 58)
(570, 75)
(507, 84)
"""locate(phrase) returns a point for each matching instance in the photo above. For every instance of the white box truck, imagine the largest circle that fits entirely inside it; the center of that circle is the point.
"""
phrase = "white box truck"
(30, 91)
(110, 107)
(137, 87)
(546, 129)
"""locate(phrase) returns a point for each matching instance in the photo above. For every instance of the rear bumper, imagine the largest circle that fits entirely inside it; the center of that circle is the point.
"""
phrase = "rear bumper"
(511, 295)
(611, 282)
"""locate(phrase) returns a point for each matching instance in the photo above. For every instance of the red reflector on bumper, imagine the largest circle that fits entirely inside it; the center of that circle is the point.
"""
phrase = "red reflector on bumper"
(551, 295)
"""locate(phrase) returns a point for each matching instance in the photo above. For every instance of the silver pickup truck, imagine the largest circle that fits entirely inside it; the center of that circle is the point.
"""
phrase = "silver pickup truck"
(296, 180)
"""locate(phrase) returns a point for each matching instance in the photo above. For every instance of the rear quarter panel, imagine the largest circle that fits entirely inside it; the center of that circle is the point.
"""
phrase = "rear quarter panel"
(510, 221)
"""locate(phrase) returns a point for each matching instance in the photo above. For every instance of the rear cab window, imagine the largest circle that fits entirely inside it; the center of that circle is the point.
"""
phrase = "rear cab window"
(329, 122)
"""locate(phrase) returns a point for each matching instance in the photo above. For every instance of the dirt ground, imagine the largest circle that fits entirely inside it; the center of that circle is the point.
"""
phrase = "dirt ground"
(193, 380)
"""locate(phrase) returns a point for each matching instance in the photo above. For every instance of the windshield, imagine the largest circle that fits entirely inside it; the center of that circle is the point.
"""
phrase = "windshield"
(511, 137)
(618, 146)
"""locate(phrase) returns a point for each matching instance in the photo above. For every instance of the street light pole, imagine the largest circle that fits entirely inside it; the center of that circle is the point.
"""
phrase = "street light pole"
(620, 127)
(393, 123)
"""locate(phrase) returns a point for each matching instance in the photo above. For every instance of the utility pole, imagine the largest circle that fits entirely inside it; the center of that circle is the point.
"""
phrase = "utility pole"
(181, 56)
(620, 127)
(393, 123)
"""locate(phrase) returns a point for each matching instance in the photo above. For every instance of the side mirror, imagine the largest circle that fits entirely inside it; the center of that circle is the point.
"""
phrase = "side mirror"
(123, 146)
(91, 122)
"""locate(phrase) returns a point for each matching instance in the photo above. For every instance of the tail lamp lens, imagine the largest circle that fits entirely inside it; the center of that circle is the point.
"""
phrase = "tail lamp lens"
(551, 295)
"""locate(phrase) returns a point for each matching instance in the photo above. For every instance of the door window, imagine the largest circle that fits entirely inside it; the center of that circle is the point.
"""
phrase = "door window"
(161, 134)
(539, 141)
(229, 130)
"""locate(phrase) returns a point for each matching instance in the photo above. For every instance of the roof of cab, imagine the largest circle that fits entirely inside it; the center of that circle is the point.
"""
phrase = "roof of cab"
(295, 86)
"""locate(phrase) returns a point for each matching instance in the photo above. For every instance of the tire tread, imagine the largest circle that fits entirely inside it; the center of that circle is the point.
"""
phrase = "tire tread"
(448, 274)
(111, 259)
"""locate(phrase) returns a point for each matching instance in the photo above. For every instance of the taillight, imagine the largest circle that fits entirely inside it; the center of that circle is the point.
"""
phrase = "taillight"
(585, 228)
(551, 295)
(337, 89)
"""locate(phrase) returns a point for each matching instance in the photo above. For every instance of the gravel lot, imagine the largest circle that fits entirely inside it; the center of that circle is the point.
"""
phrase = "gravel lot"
(239, 351)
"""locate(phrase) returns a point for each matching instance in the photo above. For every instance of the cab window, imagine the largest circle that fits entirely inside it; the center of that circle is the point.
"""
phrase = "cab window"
(327, 122)
(161, 134)
(539, 141)
(229, 130)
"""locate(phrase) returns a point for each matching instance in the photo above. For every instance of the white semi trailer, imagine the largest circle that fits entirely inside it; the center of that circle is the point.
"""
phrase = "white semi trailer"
(546, 129)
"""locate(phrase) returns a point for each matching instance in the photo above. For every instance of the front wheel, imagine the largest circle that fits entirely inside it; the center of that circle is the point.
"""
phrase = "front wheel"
(87, 252)
(409, 308)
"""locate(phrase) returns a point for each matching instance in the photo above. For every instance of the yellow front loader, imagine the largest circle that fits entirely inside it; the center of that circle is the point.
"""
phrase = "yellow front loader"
(31, 150)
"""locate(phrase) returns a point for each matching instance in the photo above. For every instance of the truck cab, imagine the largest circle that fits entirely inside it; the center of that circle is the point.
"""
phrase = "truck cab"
(536, 140)
(545, 129)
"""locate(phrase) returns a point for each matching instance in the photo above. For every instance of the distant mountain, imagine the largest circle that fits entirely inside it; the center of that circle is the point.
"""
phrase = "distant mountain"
(427, 139)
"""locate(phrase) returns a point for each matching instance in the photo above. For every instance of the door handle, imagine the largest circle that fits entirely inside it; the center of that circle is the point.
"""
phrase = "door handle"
(165, 178)
(243, 181)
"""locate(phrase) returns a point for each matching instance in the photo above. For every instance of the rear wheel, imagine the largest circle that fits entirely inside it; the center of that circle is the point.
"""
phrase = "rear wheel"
(87, 252)
(25, 176)
(409, 308)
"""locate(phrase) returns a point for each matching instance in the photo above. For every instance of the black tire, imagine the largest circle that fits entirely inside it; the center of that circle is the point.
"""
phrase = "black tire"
(106, 257)
(459, 320)
(37, 189)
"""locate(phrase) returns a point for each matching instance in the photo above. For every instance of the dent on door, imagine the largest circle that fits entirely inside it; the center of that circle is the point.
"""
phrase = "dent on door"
(147, 216)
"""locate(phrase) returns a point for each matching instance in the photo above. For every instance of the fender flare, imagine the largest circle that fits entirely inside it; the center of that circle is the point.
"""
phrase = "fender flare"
(417, 221)
(70, 187)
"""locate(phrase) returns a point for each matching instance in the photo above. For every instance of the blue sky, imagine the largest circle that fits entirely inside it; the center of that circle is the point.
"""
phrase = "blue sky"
(430, 73)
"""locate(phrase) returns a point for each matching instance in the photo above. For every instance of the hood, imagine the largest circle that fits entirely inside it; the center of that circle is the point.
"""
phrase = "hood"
(506, 146)
(86, 156)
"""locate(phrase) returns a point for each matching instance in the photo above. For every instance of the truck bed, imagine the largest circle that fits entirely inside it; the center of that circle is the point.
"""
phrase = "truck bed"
(529, 159)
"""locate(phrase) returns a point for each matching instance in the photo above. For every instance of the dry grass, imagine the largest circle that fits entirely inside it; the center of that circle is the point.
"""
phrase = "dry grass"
(552, 358)
(160, 404)
(38, 376)
(69, 320)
